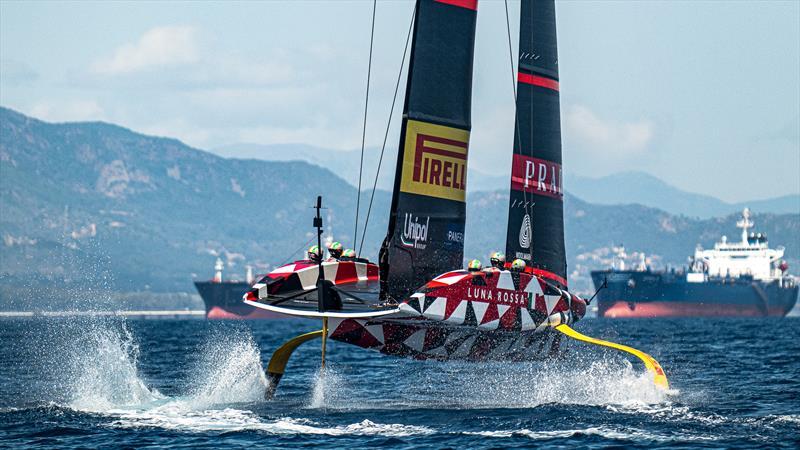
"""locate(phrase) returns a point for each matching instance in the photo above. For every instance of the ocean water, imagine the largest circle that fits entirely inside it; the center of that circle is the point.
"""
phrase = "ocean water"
(77, 383)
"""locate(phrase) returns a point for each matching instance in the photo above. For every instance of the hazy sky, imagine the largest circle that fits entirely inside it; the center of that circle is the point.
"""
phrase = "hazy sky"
(705, 95)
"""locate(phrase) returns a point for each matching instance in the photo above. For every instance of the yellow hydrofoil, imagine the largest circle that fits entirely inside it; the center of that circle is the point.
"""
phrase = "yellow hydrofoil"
(659, 378)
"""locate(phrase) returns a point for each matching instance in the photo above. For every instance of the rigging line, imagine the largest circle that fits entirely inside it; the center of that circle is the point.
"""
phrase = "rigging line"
(388, 126)
(510, 52)
(517, 132)
(364, 127)
(298, 249)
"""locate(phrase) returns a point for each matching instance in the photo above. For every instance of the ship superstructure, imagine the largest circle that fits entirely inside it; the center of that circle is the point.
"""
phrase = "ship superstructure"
(749, 257)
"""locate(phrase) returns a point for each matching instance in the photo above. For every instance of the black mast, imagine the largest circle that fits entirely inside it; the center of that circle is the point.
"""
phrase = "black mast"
(536, 208)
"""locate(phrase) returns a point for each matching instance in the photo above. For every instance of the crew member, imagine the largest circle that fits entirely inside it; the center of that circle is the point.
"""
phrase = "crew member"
(518, 265)
(315, 254)
(348, 255)
(335, 250)
(474, 266)
(498, 260)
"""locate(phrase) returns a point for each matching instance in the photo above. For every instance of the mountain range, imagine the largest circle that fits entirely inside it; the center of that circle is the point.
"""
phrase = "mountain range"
(618, 189)
(97, 206)
(644, 189)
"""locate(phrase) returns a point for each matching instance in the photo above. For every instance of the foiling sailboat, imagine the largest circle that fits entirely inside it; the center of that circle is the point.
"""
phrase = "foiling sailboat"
(417, 301)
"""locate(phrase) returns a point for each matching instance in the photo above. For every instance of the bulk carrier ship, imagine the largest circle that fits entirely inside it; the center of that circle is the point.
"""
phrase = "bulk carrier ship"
(223, 298)
(745, 278)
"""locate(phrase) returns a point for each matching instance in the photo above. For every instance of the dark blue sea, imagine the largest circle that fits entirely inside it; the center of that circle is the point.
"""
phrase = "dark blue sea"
(81, 383)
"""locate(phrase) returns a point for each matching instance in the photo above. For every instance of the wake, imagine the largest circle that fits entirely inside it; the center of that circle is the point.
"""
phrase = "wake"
(102, 377)
(227, 382)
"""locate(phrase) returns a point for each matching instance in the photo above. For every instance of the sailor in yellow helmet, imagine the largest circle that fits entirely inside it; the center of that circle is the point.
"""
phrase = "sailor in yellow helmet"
(348, 255)
(498, 260)
(315, 253)
(518, 265)
(474, 266)
(335, 250)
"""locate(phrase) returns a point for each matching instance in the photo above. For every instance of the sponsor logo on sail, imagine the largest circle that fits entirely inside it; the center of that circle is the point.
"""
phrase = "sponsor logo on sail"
(525, 232)
(415, 233)
(435, 161)
(455, 235)
(537, 176)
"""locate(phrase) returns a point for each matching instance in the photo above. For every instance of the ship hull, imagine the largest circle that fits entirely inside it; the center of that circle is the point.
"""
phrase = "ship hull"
(223, 301)
(666, 294)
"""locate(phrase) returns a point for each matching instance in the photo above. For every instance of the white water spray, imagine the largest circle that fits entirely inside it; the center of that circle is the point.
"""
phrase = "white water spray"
(594, 383)
(455, 385)
(229, 372)
(103, 377)
(328, 389)
(103, 370)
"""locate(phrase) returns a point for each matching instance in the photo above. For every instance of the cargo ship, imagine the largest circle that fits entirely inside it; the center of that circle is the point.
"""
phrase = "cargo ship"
(223, 298)
(745, 278)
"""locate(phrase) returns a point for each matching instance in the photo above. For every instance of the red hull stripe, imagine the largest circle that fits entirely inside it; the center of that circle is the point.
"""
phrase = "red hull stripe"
(469, 4)
(621, 309)
(217, 313)
(546, 274)
(537, 81)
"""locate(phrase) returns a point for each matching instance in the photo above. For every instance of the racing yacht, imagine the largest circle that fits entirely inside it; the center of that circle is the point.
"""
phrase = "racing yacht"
(416, 300)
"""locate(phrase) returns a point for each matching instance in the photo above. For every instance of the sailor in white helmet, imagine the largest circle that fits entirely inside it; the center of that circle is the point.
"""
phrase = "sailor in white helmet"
(518, 265)
(315, 253)
(335, 250)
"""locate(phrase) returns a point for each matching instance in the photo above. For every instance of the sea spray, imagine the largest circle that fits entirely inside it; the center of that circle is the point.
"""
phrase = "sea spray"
(104, 379)
(588, 380)
(524, 385)
(330, 390)
(79, 363)
(102, 368)
(224, 379)
(228, 371)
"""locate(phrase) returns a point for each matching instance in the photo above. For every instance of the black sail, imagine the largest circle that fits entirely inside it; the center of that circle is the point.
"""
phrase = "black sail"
(536, 216)
(426, 224)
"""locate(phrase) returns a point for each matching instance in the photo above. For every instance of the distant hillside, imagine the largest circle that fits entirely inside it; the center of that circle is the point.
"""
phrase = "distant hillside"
(641, 188)
(96, 205)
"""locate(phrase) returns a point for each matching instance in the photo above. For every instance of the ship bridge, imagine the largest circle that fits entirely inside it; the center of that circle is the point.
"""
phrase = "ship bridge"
(751, 256)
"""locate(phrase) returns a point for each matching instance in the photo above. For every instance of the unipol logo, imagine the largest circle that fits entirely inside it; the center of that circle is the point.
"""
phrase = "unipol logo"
(537, 176)
(435, 161)
(415, 233)
(525, 232)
